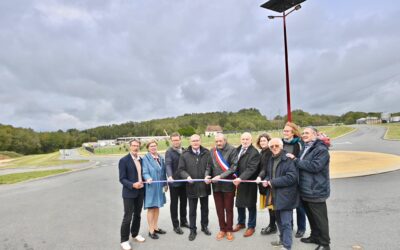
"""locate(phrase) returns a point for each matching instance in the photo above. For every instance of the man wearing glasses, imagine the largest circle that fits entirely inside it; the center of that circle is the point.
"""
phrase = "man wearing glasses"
(282, 180)
(192, 165)
(130, 176)
(314, 183)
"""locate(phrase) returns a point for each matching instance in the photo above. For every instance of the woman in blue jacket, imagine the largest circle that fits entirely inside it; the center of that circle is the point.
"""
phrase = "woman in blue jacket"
(154, 170)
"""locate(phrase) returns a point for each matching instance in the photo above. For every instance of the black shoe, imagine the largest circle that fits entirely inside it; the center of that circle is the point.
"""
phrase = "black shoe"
(309, 240)
(154, 236)
(178, 230)
(321, 247)
(185, 224)
(299, 234)
(268, 230)
(192, 235)
(159, 231)
(206, 231)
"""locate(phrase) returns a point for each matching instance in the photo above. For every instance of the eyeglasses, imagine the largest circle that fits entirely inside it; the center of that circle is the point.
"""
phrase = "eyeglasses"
(287, 131)
(274, 146)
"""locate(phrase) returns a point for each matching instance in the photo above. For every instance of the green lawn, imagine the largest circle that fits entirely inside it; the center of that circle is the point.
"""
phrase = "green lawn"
(234, 139)
(335, 131)
(8, 155)
(41, 160)
(18, 177)
(393, 132)
(84, 152)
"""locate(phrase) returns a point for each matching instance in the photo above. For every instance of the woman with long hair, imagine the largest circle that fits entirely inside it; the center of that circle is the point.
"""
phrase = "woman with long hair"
(262, 144)
(293, 144)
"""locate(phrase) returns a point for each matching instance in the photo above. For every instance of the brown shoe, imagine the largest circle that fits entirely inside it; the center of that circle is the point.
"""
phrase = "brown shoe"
(249, 232)
(238, 227)
(229, 236)
(220, 235)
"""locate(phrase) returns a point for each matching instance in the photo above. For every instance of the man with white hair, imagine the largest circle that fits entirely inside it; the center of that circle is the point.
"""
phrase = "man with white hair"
(248, 160)
(282, 181)
(314, 184)
(223, 158)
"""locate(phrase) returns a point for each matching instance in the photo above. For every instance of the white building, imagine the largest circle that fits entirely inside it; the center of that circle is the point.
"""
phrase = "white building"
(104, 143)
(212, 130)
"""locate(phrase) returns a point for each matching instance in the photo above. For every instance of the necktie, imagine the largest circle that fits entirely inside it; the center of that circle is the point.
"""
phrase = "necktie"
(242, 151)
(138, 168)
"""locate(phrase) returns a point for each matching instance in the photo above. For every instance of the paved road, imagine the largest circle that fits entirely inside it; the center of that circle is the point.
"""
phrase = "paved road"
(369, 139)
(83, 210)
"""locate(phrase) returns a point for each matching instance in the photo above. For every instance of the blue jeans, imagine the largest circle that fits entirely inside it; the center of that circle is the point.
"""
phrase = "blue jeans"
(284, 220)
(252, 216)
(301, 218)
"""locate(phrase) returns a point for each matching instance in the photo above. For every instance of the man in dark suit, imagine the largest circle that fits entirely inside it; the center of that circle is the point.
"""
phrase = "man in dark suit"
(247, 169)
(192, 165)
(130, 176)
(177, 190)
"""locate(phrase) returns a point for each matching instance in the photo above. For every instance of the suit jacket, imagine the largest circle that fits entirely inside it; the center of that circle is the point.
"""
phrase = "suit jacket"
(127, 176)
(247, 168)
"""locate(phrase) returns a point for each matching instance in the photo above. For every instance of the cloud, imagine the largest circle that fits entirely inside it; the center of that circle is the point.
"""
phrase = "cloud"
(66, 64)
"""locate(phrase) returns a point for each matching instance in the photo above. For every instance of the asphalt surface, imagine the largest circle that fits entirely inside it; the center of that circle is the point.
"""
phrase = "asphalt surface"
(83, 210)
(367, 138)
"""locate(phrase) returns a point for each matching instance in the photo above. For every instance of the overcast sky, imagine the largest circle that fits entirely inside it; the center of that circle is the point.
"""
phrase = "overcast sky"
(80, 64)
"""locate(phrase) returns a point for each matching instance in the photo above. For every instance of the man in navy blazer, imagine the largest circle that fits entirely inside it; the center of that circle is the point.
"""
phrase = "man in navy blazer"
(130, 176)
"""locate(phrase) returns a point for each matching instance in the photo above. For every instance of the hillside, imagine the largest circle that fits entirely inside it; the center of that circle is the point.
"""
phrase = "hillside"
(27, 141)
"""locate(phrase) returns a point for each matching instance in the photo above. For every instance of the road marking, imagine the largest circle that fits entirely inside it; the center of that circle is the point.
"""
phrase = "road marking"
(341, 143)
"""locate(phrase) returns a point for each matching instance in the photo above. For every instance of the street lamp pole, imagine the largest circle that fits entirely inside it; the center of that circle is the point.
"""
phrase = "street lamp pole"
(289, 111)
(282, 6)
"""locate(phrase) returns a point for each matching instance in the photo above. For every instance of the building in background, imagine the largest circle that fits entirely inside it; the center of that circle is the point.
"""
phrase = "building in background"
(212, 130)
(385, 117)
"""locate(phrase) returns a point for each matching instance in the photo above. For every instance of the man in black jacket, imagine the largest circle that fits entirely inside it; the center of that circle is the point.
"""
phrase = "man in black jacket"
(314, 183)
(192, 165)
(177, 190)
(282, 180)
(247, 168)
(223, 158)
(130, 176)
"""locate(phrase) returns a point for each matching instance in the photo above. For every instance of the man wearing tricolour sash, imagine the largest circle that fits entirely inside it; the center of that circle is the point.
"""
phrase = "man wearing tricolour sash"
(223, 158)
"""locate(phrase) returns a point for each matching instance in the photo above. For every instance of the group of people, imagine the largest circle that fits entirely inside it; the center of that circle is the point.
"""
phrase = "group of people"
(289, 173)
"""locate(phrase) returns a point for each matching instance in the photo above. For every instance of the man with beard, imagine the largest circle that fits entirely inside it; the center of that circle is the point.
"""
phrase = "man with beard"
(223, 158)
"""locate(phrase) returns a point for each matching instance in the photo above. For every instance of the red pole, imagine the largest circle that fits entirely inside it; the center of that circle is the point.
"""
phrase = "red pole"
(289, 113)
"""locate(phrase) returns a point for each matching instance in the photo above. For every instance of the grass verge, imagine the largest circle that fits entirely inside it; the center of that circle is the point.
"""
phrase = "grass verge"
(335, 131)
(41, 160)
(18, 177)
(393, 132)
(8, 155)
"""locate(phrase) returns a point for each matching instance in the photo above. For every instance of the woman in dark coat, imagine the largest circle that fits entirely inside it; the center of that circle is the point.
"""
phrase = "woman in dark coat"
(262, 143)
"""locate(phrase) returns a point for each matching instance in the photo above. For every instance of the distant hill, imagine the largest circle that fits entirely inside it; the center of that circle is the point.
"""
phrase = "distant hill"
(27, 141)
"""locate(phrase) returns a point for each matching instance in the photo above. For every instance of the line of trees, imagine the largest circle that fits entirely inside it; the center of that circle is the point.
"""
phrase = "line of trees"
(27, 141)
